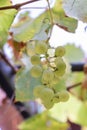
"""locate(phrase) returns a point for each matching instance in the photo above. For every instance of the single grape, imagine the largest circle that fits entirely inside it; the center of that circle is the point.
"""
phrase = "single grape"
(35, 59)
(60, 64)
(55, 80)
(56, 99)
(41, 48)
(47, 93)
(36, 71)
(60, 51)
(30, 49)
(63, 96)
(48, 104)
(37, 90)
(47, 75)
(59, 72)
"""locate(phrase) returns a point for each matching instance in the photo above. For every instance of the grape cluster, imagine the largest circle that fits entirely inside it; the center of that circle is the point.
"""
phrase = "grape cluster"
(49, 68)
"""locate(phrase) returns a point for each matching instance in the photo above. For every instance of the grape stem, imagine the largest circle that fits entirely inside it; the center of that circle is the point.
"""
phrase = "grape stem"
(73, 86)
(51, 16)
(17, 6)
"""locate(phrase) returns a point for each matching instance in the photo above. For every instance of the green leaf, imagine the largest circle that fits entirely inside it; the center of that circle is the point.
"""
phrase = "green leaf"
(65, 22)
(25, 84)
(43, 33)
(39, 27)
(74, 110)
(76, 9)
(75, 78)
(6, 19)
(73, 53)
(43, 122)
(31, 28)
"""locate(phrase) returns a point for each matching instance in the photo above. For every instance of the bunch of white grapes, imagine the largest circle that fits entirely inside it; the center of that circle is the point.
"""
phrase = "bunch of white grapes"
(49, 68)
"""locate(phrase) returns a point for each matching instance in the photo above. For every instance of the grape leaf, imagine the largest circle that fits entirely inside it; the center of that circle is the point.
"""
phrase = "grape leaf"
(30, 28)
(6, 19)
(74, 110)
(43, 33)
(76, 9)
(67, 23)
(37, 28)
(42, 122)
(25, 84)
(77, 56)
(75, 78)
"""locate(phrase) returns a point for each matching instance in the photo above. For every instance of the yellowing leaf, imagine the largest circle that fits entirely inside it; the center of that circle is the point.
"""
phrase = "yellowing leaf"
(60, 18)
(43, 122)
(6, 19)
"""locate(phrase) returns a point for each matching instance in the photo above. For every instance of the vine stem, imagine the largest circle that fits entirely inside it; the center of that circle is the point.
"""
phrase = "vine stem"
(17, 6)
(51, 16)
(73, 86)
(34, 8)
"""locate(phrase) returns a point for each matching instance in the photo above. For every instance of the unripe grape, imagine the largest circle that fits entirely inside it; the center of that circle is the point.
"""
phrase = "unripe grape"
(55, 80)
(41, 48)
(63, 96)
(35, 59)
(47, 75)
(60, 64)
(37, 90)
(56, 99)
(47, 94)
(59, 72)
(48, 104)
(60, 51)
(36, 71)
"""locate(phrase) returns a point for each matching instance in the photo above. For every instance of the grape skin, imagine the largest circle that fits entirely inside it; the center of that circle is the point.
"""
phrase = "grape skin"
(41, 48)
(46, 94)
(63, 96)
(59, 72)
(37, 90)
(47, 76)
(60, 64)
(48, 104)
(36, 71)
(35, 59)
(60, 51)
(56, 99)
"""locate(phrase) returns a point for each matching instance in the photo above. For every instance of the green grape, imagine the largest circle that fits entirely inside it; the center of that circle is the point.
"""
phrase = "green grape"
(41, 48)
(47, 76)
(60, 51)
(60, 64)
(56, 99)
(47, 93)
(53, 82)
(30, 49)
(37, 90)
(48, 104)
(59, 72)
(63, 96)
(36, 71)
(35, 59)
